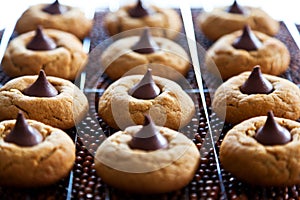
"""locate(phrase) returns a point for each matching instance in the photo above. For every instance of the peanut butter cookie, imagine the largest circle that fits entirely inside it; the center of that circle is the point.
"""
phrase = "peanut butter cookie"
(170, 107)
(283, 99)
(224, 20)
(55, 16)
(262, 164)
(133, 16)
(62, 110)
(166, 58)
(225, 59)
(66, 60)
(147, 171)
(36, 165)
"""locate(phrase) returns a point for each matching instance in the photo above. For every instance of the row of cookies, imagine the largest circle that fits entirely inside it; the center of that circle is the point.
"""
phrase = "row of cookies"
(32, 149)
(259, 149)
(242, 38)
(148, 151)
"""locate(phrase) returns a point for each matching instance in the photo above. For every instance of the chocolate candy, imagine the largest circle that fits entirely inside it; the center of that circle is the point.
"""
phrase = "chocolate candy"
(235, 8)
(146, 88)
(247, 41)
(23, 134)
(41, 42)
(148, 138)
(41, 87)
(272, 133)
(139, 10)
(256, 83)
(146, 44)
(55, 8)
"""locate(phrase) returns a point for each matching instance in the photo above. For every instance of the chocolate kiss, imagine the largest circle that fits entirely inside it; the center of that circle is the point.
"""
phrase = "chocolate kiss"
(235, 8)
(148, 138)
(41, 87)
(139, 10)
(146, 88)
(23, 134)
(41, 42)
(146, 44)
(55, 8)
(272, 133)
(247, 41)
(256, 83)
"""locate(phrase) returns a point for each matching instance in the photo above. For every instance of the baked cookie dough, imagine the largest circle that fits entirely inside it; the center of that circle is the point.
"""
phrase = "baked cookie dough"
(218, 22)
(284, 100)
(39, 165)
(222, 58)
(169, 61)
(65, 61)
(141, 171)
(166, 21)
(72, 20)
(61, 111)
(258, 164)
(172, 108)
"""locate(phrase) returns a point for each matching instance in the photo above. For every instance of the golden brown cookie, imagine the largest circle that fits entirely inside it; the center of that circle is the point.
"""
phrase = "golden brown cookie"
(268, 165)
(284, 100)
(73, 20)
(65, 61)
(218, 22)
(172, 108)
(171, 60)
(141, 171)
(166, 20)
(39, 165)
(62, 111)
(273, 56)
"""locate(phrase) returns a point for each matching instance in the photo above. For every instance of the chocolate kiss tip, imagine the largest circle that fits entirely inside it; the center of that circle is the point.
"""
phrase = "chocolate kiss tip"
(41, 87)
(138, 10)
(54, 8)
(247, 41)
(23, 134)
(146, 44)
(148, 138)
(256, 83)
(235, 8)
(41, 42)
(271, 133)
(146, 88)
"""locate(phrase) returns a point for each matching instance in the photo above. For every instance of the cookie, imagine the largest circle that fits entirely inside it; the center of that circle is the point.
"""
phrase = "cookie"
(147, 171)
(65, 61)
(284, 99)
(259, 164)
(166, 20)
(168, 60)
(172, 108)
(39, 165)
(225, 60)
(62, 111)
(218, 22)
(69, 19)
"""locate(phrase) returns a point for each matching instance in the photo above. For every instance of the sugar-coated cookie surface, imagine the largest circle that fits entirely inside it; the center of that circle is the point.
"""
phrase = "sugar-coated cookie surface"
(222, 58)
(39, 165)
(172, 108)
(172, 60)
(218, 22)
(65, 61)
(73, 20)
(284, 100)
(61, 111)
(141, 171)
(258, 164)
(167, 21)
